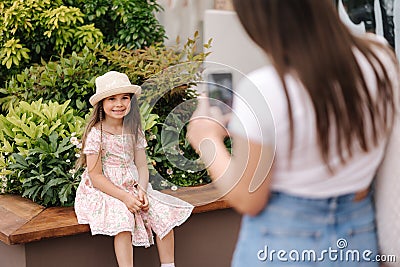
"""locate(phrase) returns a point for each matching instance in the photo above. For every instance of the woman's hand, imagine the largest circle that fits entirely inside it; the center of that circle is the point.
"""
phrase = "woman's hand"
(142, 195)
(207, 122)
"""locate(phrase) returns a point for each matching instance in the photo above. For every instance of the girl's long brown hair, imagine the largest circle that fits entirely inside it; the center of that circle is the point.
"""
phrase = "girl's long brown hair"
(306, 38)
(132, 125)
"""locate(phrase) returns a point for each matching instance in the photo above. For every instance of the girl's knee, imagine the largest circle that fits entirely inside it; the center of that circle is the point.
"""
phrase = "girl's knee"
(123, 235)
(170, 234)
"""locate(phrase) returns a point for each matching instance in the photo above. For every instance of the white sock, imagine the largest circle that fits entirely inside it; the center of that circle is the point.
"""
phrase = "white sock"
(168, 264)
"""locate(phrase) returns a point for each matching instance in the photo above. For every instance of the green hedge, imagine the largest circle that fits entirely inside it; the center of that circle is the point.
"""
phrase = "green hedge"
(32, 30)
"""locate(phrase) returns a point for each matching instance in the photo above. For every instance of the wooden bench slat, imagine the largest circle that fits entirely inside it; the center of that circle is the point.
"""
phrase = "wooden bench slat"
(9, 223)
(15, 212)
(198, 196)
(52, 222)
(20, 206)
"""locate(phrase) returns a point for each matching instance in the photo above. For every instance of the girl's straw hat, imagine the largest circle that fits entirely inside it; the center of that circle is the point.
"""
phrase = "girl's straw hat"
(113, 83)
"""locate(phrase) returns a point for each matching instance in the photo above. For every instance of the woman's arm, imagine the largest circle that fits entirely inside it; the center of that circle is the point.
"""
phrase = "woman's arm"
(103, 184)
(245, 175)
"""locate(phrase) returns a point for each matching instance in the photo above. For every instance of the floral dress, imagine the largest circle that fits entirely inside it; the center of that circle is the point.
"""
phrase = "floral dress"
(109, 216)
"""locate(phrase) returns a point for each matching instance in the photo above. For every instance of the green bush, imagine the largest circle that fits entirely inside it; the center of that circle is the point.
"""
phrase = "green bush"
(70, 78)
(32, 30)
(40, 146)
(171, 155)
(131, 23)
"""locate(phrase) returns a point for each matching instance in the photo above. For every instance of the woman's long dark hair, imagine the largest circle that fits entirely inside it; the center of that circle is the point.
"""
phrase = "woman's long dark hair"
(306, 38)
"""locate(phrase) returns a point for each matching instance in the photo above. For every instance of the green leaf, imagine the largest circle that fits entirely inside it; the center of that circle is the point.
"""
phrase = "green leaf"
(9, 63)
(53, 141)
(7, 147)
(50, 184)
(65, 192)
(79, 104)
(31, 192)
(20, 160)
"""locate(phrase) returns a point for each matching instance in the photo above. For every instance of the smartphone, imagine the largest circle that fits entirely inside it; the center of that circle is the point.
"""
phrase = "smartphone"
(220, 90)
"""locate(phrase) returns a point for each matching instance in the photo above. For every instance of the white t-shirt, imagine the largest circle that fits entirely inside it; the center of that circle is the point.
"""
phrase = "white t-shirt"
(306, 174)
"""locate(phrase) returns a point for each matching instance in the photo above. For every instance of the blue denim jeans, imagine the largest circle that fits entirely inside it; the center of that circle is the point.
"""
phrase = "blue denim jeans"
(295, 231)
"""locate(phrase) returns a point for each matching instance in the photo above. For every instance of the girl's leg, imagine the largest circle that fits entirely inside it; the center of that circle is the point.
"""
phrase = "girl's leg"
(123, 249)
(166, 249)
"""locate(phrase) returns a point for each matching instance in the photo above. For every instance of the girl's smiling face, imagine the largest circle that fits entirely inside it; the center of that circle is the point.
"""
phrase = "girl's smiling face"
(117, 106)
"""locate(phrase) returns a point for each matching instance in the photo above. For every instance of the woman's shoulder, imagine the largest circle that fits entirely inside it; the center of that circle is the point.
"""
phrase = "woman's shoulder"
(264, 73)
(265, 79)
(376, 39)
(380, 47)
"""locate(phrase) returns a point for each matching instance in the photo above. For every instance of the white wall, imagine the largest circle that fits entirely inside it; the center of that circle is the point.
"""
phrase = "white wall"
(231, 45)
(182, 18)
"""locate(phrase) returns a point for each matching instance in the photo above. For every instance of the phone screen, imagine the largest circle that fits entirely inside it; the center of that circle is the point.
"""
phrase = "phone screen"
(219, 87)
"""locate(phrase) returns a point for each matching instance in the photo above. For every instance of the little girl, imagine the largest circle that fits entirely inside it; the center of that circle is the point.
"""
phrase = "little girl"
(114, 196)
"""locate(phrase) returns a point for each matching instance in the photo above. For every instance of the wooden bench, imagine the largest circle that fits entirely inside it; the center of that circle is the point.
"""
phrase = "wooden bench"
(23, 221)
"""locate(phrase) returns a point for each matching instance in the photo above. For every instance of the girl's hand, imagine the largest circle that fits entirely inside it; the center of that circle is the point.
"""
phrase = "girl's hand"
(132, 202)
(206, 123)
(142, 195)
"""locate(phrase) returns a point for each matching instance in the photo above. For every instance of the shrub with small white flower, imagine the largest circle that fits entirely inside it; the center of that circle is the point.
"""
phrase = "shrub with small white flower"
(169, 171)
(41, 141)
